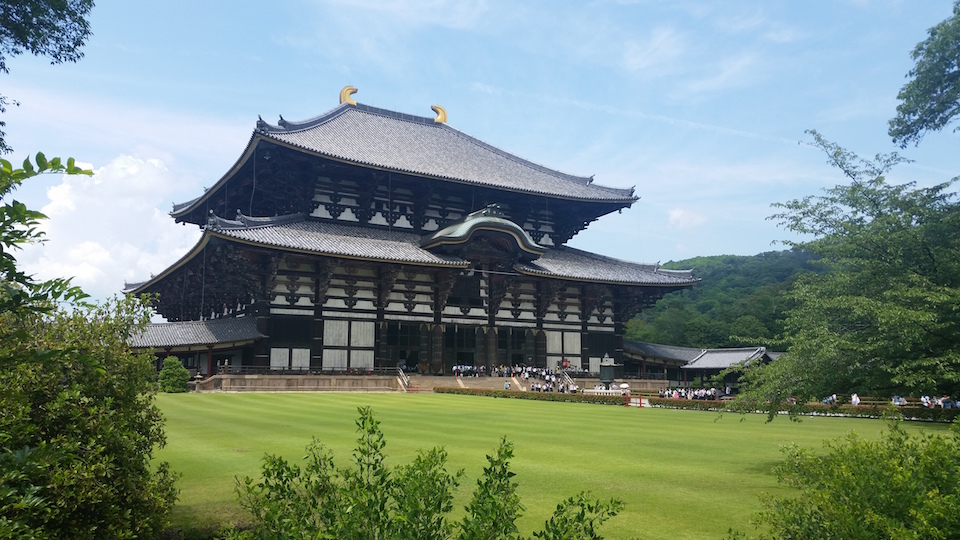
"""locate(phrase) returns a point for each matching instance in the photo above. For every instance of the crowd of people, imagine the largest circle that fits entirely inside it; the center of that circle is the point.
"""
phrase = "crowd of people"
(945, 402)
(691, 393)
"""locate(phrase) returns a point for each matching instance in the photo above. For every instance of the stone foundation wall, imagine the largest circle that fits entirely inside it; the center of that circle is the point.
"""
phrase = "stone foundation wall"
(299, 383)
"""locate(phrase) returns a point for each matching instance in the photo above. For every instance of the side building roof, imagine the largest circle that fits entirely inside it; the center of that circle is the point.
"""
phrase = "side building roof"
(202, 333)
(724, 358)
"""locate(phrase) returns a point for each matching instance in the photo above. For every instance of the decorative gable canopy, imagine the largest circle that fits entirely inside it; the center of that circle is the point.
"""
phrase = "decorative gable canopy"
(488, 221)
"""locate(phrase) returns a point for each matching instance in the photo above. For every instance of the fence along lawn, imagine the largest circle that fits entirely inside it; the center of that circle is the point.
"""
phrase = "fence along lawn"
(681, 474)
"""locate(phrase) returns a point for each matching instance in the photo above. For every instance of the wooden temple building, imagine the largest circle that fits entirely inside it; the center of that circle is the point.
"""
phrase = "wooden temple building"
(366, 238)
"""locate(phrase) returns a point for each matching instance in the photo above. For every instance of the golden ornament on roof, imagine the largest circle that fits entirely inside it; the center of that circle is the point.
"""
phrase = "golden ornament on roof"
(346, 93)
(441, 114)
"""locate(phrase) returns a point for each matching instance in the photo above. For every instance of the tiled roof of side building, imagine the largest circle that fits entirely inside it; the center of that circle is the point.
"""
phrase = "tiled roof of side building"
(178, 334)
(655, 350)
(724, 358)
(404, 143)
(571, 263)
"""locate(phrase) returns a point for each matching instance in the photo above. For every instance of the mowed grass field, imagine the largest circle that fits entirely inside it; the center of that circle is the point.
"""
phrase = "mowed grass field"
(681, 474)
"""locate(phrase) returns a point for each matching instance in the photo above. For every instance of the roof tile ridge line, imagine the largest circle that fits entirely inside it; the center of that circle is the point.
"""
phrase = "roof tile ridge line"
(286, 126)
(397, 115)
(243, 221)
(583, 180)
(313, 221)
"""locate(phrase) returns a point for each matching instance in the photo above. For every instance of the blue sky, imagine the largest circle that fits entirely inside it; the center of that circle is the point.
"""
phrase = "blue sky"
(702, 106)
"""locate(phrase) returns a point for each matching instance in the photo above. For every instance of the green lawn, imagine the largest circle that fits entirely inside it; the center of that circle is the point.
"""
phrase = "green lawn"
(682, 474)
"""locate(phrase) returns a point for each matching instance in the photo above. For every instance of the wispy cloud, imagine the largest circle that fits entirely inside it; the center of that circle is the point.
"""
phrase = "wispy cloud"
(662, 46)
(443, 13)
(730, 72)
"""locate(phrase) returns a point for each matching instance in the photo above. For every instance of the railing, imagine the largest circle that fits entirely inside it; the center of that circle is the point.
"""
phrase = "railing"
(268, 370)
(566, 380)
(404, 380)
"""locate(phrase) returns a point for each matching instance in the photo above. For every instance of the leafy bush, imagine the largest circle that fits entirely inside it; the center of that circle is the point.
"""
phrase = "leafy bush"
(898, 487)
(173, 376)
(370, 500)
(809, 409)
(78, 424)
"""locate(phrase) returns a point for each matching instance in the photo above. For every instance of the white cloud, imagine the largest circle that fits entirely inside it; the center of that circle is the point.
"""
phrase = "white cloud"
(685, 219)
(106, 229)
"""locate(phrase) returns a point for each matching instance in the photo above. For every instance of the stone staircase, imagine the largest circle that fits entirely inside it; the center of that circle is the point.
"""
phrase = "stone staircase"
(426, 383)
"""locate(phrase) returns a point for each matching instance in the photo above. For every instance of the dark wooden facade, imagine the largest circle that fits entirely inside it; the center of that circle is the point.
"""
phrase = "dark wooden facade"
(356, 264)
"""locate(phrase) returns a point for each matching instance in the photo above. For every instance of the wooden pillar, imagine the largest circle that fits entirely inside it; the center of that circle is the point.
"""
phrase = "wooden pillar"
(210, 361)
(491, 356)
(436, 347)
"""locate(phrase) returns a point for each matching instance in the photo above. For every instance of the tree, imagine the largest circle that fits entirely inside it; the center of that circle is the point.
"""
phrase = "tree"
(173, 376)
(79, 424)
(371, 500)
(884, 319)
(56, 29)
(898, 487)
(931, 99)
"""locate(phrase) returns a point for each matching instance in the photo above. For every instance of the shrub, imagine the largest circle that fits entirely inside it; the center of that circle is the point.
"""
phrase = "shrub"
(78, 427)
(898, 487)
(371, 500)
(173, 376)
(810, 409)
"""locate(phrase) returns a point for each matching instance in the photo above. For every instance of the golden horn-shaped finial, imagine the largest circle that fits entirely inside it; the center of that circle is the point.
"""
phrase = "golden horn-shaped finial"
(346, 93)
(441, 114)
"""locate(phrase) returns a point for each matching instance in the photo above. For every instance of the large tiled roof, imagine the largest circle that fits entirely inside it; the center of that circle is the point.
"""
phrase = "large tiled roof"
(179, 334)
(571, 263)
(411, 144)
(336, 239)
(724, 358)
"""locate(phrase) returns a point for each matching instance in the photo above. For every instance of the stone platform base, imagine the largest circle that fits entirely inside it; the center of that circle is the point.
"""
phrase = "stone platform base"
(299, 383)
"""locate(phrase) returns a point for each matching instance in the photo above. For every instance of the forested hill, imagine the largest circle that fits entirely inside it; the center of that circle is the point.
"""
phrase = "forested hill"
(738, 296)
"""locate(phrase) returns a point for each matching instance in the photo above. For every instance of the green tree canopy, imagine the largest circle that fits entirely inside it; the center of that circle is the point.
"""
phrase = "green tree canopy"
(884, 320)
(931, 100)
(56, 29)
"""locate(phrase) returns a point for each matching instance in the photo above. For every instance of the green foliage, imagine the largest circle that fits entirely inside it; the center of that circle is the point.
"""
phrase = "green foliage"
(18, 226)
(173, 376)
(740, 300)
(884, 320)
(898, 487)
(495, 506)
(372, 501)
(52, 28)
(79, 425)
(578, 518)
(931, 100)
(743, 406)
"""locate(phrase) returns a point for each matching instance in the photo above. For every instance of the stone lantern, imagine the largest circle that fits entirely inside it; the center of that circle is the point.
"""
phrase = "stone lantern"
(607, 369)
